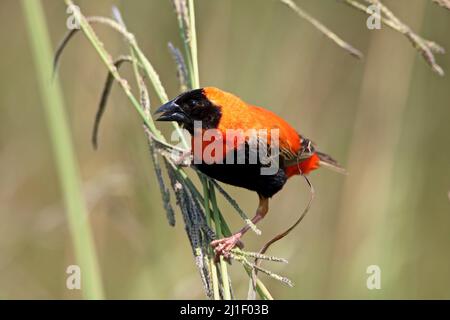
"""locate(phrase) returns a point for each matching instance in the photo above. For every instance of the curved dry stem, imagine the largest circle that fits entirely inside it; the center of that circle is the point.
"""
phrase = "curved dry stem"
(302, 216)
(285, 233)
(104, 98)
(426, 47)
(323, 29)
(94, 19)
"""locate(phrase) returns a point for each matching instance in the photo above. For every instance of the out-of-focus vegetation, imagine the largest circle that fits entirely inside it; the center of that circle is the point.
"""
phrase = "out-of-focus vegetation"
(384, 117)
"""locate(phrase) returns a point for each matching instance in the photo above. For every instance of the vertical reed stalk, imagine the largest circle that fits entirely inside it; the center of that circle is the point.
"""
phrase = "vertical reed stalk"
(68, 174)
(189, 33)
(193, 46)
(212, 264)
(223, 264)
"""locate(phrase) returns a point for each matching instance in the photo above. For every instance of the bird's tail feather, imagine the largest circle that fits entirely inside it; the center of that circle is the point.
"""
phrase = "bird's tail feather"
(328, 162)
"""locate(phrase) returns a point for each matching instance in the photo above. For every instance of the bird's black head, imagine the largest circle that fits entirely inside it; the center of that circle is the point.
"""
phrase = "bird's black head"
(189, 107)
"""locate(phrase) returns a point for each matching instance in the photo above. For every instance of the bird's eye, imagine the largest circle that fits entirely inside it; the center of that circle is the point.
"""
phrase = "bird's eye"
(194, 103)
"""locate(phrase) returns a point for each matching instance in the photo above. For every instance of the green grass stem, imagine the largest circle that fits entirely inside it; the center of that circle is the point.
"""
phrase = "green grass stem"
(65, 160)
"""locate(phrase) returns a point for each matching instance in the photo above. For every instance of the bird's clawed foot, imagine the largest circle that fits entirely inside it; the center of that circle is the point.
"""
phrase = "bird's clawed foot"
(223, 247)
(183, 159)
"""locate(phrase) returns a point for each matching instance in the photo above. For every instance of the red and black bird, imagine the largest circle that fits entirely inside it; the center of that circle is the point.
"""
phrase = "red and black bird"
(222, 111)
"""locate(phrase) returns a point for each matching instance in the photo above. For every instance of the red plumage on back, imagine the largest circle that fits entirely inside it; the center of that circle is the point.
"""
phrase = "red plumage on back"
(237, 114)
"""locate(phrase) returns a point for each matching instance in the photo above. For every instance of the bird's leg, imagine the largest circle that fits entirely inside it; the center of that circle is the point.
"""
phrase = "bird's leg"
(223, 246)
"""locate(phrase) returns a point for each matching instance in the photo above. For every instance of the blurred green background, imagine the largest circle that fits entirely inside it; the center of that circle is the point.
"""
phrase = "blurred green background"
(386, 118)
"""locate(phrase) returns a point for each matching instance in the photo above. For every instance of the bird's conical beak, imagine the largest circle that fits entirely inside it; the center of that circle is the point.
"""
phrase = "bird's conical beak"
(171, 111)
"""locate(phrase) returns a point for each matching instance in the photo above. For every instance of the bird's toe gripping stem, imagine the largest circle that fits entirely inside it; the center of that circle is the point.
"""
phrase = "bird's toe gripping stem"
(223, 247)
